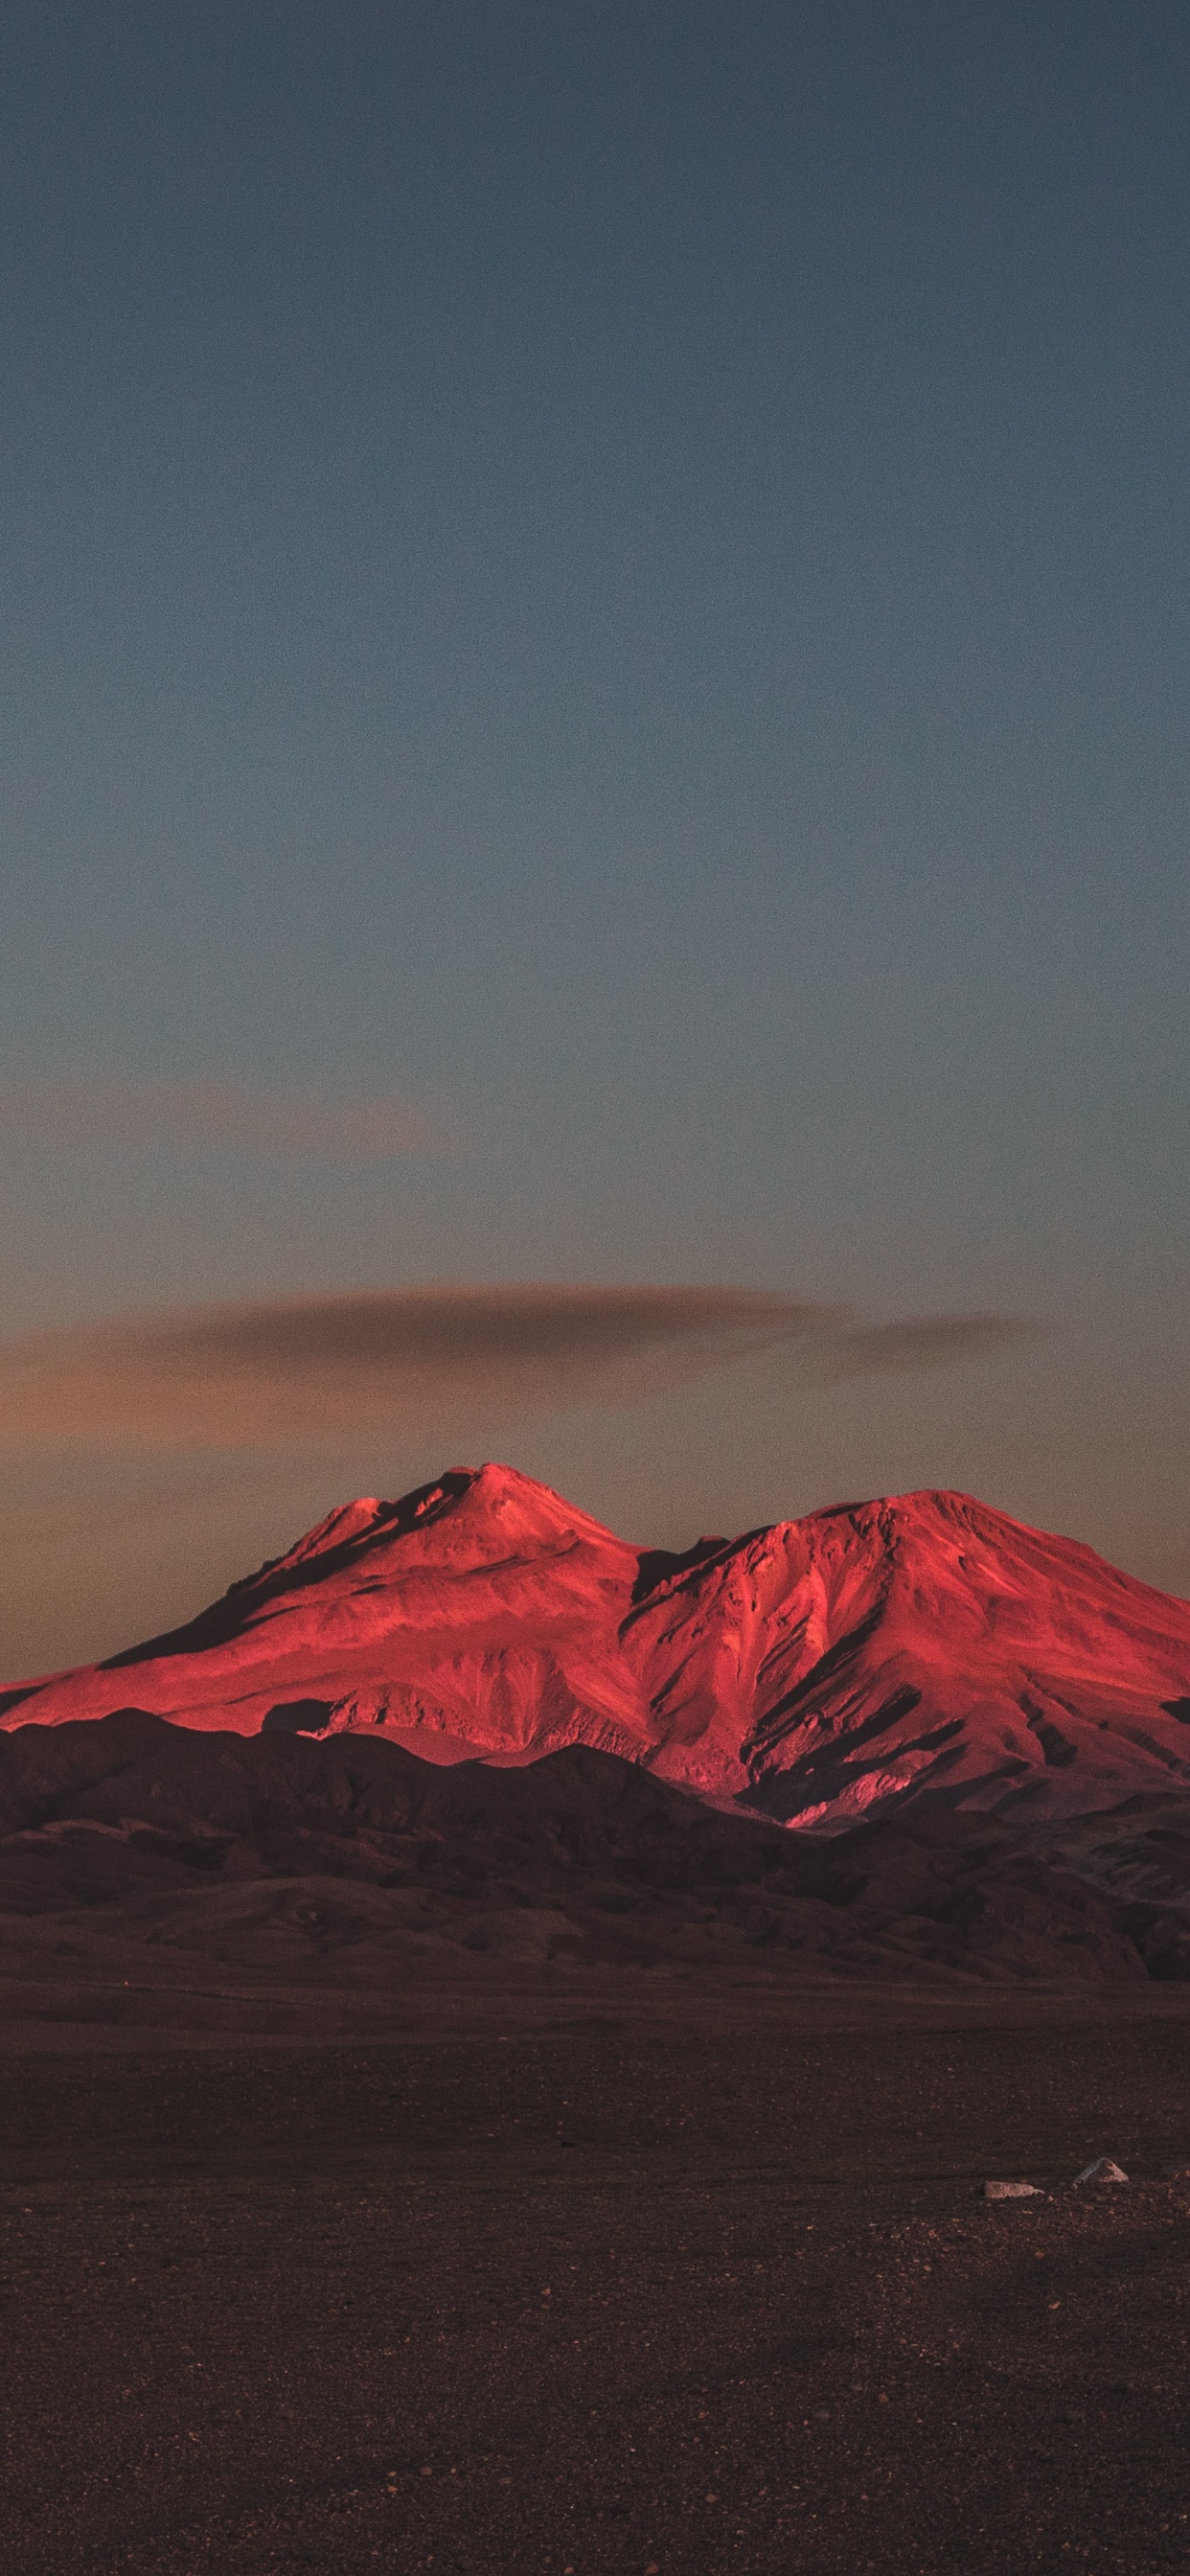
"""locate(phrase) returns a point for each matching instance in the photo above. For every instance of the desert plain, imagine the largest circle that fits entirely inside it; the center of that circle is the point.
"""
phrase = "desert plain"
(603, 2281)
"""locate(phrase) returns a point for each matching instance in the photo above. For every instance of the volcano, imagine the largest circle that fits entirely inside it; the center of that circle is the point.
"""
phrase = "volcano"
(868, 1656)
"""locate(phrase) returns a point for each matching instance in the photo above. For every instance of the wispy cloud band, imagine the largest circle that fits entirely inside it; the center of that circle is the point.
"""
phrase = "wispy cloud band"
(917, 1342)
(369, 1127)
(291, 1370)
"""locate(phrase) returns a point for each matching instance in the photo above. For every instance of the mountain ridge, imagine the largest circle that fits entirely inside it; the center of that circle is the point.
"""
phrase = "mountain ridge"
(860, 1658)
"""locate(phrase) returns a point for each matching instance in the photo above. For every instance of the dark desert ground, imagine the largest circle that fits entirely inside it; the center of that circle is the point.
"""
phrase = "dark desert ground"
(483, 2170)
(613, 2290)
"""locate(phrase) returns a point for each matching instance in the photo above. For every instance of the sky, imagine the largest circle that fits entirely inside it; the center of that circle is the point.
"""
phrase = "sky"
(593, 771)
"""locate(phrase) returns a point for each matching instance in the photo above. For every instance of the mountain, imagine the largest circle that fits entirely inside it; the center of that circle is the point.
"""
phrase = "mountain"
(859, 1659)
(151, 1874)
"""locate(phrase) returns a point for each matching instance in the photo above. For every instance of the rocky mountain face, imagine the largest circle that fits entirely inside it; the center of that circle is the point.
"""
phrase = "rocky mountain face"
(150, 1873)
(855, 1662)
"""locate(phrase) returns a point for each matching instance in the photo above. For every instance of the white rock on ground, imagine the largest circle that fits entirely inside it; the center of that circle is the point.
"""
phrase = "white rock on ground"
(1103, 2170)
(1011, 2191)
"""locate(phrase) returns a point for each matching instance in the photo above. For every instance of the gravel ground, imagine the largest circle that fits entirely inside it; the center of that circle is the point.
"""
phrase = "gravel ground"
(603, 2302)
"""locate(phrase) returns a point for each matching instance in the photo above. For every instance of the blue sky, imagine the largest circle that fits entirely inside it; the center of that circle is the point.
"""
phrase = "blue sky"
(611, 581)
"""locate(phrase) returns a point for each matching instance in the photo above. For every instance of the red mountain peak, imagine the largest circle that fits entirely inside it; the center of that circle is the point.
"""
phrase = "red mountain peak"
(921, 1645)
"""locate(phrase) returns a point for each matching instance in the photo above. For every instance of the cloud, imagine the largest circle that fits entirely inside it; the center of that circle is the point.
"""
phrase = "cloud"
(917, 1342)
(370, 1128)
(290, 1371)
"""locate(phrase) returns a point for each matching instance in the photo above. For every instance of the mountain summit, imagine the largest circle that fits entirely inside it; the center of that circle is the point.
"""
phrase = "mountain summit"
(868, 1655)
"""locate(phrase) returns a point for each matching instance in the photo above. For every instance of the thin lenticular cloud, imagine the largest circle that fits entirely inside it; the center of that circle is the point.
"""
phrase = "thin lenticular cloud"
(293, 1370)
(217, 1114)
(312, 1367)
(917, 1342)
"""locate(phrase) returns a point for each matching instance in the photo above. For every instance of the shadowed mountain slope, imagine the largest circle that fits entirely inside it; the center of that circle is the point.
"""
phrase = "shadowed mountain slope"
(856, 1660)
(136, 1853)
